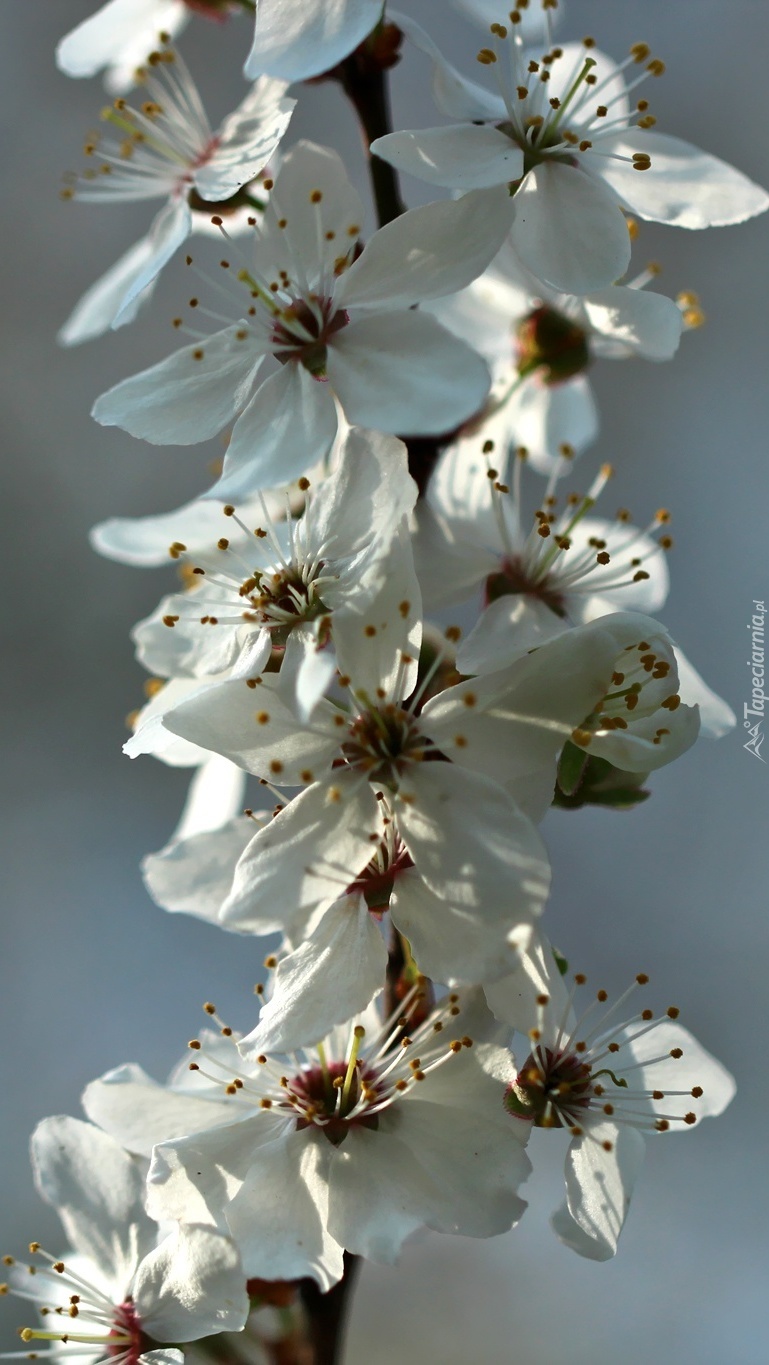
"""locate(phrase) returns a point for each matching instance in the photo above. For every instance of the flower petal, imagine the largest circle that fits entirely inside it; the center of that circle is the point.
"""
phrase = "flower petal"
(279, 1219)
(329, 978)
(569, 230)
(473, 846)
(296, 39)
(599, 1185)
(139, 1113)
(684, 186)
(454, 95)
(300, 860)
(402, 372)
(546, 417)
(648, 324)
(113, 300)
(98, 1192)
(246, 140)
(289, 424)
(189, 396)
(428, 252)
(257, 729)
(462, 156)
(119, 35)
(191, 1286)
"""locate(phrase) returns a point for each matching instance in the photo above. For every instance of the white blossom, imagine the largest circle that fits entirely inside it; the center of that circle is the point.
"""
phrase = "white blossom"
(608, 1082)
(123, 1295)
(339, 325)
(118, 37)
(344, 563)
(166, 149)
(559, 130)
(541, 344)
(352, 1145)
(297, 39)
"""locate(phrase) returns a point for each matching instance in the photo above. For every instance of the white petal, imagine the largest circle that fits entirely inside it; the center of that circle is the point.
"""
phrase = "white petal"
(546, 416)
(569, 229)
(372, 640)
(474, 847)
(451, 944)
(296, 39)
(99, 307)
(332, 976)
(193, 875)
(648, 324)
(289, 424)
(514, 998)
(136, 1111)
(151, 735)
(454, 95)
(97, 42)
(449, 568)
(372, 483)
(641, 748)
(379, 1194)
(660, 1070)
(522, 715)
(246, 140)
(599, 1185)
(428, 252)
(144, 541)
(297, 230)
(462, 156)
(255, 728)
(716, 715)
(280, 1216)
(316, 673)
(98, 1192)
(508, 629)
(193, 1177)
(402, 372)
(184, 400)
(191, 1286)
(684, 187)
(305, 857)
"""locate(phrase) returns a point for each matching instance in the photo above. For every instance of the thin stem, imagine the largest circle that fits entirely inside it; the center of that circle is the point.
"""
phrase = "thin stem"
(326, 1313)
(367, 89)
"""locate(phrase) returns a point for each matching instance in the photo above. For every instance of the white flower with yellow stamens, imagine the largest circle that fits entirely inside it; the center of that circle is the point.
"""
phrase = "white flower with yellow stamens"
(165, 148)
(384, 1127)
(124, 1296)
(608, 1082)
(337, 324)
(559, 130)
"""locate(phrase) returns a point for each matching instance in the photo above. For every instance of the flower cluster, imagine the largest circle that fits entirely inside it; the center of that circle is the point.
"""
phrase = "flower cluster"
(402, 409)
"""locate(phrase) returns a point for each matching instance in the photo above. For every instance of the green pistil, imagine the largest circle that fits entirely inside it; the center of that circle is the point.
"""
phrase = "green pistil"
(552, 125)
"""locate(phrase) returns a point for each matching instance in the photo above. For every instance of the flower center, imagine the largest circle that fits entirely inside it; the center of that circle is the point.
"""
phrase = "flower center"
(550, 343)
(382, 742)
(375, 883)
(302, 330)
(327, 1096)
(283, 598)
(512, 578)
(550, 1089)
(127, 1325)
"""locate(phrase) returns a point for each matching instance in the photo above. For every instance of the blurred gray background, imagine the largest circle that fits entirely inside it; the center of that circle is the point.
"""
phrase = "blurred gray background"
(93, 974)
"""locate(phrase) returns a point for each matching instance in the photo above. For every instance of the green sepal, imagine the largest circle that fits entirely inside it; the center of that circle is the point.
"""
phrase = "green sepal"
(571, 767)
(601, 784)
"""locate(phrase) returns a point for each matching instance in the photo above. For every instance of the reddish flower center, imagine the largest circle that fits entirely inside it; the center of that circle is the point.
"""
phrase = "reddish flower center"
(552, 345)
(302, 331)
(550, 1089)
(511, 577)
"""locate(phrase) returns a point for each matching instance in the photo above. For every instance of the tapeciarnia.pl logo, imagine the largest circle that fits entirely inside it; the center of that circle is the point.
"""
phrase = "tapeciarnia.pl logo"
(753, 711)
